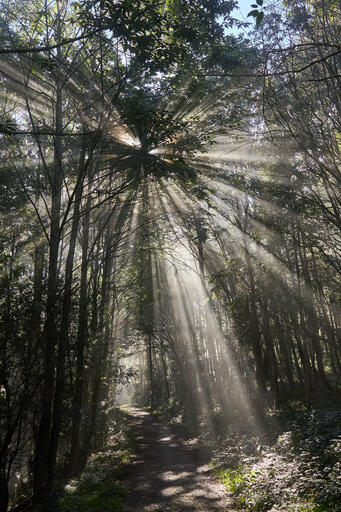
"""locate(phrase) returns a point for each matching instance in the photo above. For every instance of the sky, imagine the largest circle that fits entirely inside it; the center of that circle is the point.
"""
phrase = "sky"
(244, 7)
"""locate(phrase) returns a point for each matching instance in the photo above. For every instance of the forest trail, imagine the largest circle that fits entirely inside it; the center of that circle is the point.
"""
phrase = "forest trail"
(167, 475)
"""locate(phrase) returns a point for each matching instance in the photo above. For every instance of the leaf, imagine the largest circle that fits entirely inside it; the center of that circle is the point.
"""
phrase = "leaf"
(253, 13)
(259, 18)
(259, 2)
(254, 5)
(8, 127)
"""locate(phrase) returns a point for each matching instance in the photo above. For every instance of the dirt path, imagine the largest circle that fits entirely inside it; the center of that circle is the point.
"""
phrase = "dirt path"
(168, 476)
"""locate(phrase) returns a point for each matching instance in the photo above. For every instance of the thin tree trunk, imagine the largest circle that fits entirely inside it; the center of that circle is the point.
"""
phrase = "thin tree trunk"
(41, 461)
(80, 348)
(64, 332)
(4, 495)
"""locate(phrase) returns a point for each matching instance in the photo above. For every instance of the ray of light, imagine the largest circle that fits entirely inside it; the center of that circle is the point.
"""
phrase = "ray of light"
(195, 289)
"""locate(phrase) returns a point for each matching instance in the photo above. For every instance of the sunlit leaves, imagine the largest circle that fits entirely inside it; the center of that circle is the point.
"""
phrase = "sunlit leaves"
(153, 123)
(159, 35)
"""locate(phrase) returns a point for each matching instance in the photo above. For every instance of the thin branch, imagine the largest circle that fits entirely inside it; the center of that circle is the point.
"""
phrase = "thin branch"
(54, 134)
(265, 74)
(48, 48)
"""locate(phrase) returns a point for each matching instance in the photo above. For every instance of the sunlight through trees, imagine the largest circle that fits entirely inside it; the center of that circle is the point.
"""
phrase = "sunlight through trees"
(170, 210)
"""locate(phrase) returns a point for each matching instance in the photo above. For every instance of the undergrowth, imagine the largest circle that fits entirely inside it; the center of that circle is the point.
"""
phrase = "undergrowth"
(98, 487)
(293, 465)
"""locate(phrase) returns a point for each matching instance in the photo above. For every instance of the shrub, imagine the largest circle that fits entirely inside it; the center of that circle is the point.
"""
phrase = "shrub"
(296, 469)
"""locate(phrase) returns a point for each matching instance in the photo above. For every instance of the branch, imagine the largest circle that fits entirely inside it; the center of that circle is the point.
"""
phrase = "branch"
(276, 73)
(47, 48)
(54, 134)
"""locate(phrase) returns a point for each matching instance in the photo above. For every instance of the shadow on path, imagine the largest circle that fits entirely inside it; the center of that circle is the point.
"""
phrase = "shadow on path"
(168, 476)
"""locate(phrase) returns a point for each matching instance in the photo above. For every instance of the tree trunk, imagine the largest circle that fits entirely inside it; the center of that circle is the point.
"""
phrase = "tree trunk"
(41, 461)
(4, 495)
(80, 348)
(64, 332)
(99, 353)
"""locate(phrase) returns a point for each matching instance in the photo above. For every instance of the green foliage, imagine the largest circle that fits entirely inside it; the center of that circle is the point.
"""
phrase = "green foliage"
(97, 488)
(153, 65)
(8, 126)
(235, 480)
(256, 12)
(149, 120)
(297, 469)
(101, 497)
(159, 35)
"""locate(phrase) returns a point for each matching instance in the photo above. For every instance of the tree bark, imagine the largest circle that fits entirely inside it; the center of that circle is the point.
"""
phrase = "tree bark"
(41, 460)
(80, 348)
(64, 332)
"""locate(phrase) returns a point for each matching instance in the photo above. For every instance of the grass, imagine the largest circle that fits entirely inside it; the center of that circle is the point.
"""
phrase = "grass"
(102, 498)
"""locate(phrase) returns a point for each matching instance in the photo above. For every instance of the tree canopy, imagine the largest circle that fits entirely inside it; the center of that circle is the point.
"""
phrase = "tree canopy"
(170, 204)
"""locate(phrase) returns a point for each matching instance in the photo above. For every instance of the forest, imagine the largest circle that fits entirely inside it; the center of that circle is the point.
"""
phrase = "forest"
(170, 256)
